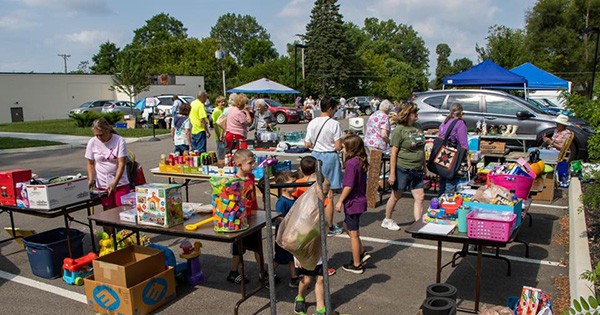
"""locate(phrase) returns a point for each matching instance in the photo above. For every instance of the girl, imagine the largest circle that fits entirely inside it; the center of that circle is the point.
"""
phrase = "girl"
(181, 131)
(354, 198)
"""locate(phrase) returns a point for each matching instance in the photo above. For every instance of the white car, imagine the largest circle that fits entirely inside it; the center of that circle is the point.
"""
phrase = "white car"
(165, 102)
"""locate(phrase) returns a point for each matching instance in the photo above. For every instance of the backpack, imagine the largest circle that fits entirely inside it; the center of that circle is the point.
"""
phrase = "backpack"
(135, 172)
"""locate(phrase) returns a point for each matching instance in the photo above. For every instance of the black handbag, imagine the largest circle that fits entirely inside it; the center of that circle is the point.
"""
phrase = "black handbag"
(445, 160)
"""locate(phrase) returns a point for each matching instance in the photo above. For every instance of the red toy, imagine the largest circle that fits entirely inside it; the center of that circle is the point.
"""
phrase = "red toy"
(74, 270)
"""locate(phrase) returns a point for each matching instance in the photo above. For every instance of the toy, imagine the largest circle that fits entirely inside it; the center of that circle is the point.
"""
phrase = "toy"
(74, 270)
(159, 204)
(194, 226)
(180, 267)
(106, 244)
(192, 253)
(228, 204)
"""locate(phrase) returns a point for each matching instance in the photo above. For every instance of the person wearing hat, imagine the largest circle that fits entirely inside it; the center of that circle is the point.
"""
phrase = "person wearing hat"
(561, 134)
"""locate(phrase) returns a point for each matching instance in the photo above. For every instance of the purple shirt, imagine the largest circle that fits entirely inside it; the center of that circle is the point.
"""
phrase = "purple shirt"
(458, 133)
(356, 178)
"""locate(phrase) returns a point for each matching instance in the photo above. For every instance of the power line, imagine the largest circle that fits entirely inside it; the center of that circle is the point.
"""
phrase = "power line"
(65, 57)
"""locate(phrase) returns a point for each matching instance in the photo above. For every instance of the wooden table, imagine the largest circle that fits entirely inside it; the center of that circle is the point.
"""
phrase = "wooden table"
(206, 232)
(64, 211)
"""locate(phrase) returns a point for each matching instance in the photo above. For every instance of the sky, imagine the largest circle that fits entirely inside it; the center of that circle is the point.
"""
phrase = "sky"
(34, 32)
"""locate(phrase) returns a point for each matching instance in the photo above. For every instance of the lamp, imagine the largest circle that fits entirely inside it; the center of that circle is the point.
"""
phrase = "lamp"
(587, 31)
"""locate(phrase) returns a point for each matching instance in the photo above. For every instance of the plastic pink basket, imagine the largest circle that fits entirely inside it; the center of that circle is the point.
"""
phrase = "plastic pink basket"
(489, 229)
(520, 183)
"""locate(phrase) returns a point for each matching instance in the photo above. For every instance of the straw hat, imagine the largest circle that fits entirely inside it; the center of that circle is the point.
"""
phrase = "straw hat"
(562, 119)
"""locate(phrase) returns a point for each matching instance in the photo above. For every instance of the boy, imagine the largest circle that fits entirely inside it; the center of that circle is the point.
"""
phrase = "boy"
(219, 131)
(244, 160)
(283, 206)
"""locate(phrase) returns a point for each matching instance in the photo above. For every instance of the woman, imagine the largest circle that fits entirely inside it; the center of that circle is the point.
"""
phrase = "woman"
(238, 120)
(181, 130)
(551, 147)
(406, 163)
(458, 137)
(377, 135)
(107, 154)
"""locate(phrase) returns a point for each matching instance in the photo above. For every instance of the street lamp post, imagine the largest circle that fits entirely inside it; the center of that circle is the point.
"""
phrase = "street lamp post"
(220, 55)
(593, 30)
(296, 46)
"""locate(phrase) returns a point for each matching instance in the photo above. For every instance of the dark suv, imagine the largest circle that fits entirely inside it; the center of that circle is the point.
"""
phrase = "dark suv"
(496, 108)
(363, 103)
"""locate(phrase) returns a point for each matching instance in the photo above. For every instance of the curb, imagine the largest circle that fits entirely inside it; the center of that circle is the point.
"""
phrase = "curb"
(579, 250)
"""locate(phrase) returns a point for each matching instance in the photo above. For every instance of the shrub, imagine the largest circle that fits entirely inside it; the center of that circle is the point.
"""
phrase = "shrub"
(86, 119)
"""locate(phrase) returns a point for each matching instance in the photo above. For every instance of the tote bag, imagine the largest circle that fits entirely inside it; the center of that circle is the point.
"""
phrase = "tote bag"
(445, 160)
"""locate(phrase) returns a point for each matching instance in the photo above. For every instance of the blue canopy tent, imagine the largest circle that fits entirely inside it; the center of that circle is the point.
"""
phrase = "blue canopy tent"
(486, 74)
(263, 86)
(538, 79)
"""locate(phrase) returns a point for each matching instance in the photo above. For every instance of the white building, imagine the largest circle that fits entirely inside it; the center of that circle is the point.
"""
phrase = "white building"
(34, 96)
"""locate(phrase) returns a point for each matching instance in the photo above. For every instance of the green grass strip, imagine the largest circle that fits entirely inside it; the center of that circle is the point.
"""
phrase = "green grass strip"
(68, 127)
(17, 143)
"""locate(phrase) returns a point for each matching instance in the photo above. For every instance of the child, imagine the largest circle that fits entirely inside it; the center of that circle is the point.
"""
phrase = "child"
(306, 280)
(283, 206)
(244, 160)
(354, 199)
(181, 130)
(219, 131)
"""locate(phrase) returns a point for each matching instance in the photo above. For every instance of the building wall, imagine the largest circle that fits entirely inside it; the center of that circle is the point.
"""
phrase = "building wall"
(51, 96)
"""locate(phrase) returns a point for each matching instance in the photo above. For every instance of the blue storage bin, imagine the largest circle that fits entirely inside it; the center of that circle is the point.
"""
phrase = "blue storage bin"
(121, 125)
(473, 142)
(47, 250)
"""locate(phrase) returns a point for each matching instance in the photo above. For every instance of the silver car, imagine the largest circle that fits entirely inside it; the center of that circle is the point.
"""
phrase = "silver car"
(496, 108)
(95, 106)
(125, 107)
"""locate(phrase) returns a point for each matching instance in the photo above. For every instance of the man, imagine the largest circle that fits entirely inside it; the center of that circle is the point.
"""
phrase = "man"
(199, 120)
(263, 118)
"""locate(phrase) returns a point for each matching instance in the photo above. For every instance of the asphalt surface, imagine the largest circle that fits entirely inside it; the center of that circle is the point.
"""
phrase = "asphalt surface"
(394, 282)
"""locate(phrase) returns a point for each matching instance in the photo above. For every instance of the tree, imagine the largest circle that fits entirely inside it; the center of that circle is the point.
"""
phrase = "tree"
(82, 68)
(160, 29)
(106, 58)
(233, 31)
(504, 46)
(130, 78)
(443, 68)
(462, 64)
(327, 55)
(256, 51)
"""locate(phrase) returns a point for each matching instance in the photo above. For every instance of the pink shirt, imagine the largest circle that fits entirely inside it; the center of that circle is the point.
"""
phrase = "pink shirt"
(105, 157)
(559, 138)
(377, 122)
(236, 121)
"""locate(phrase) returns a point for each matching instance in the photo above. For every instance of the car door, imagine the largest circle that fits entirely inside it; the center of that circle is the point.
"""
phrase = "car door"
(502, 110)
(472, 107)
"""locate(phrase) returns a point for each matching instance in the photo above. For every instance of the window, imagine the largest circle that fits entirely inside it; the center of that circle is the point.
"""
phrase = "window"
(435, 101)
(501, 105)
(469, 102)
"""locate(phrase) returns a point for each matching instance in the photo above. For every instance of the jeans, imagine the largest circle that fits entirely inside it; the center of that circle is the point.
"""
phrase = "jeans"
(448, 185)
(181, 148)
(199, 142)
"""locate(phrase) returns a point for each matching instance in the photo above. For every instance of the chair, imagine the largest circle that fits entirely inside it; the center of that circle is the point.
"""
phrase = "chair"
(357, 125)
(565, 148)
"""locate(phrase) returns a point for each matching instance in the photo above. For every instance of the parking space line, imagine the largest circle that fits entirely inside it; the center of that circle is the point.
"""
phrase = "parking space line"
(541, 205)
(43, 286)
(452, 250)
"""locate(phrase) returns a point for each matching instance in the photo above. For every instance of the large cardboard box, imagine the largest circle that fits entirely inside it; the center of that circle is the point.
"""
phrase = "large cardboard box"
(547, 194)
(159, 204)
(8, 185)
(140, 299)
(129, 266)
(51, 196)
(492, 147)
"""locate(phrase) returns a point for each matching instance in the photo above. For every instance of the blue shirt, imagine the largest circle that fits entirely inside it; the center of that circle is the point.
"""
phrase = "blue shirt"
(283, 206)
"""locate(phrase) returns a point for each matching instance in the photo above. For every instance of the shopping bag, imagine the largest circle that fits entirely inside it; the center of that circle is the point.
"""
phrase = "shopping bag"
(445, 160)
(299, 232)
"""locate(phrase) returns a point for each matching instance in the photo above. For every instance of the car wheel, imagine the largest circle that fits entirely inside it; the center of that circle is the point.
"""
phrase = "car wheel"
(281, 118)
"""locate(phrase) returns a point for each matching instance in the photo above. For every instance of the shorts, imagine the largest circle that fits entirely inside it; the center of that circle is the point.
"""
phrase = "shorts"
(311, 273)
(229, 137)
(331, 169)
(114, 199)
(251, 242)
(199, 142)
(408, 178)
(221, 150)
(282, 256)
(181, 148)
(352, 221)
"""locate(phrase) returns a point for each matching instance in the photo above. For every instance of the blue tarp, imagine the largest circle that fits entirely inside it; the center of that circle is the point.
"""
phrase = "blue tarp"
(486, 73)
(538, 79)
(263, 86)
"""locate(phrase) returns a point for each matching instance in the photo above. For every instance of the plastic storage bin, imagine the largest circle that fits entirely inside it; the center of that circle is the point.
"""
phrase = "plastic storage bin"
(487, 226)
(520, 183)
(47, 250)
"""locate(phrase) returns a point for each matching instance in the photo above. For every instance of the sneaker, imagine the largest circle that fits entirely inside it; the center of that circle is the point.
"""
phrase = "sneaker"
(390, 225)
(265, 279)
(330, 271)
(354, 269)
(364, 257)
(236, 277)
(294, 282)
(299, 306)
(335, 230)
(322, 312)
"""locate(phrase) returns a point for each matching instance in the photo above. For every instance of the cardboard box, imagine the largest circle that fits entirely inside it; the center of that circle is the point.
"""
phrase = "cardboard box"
(141, 299)
(192, 170)
(129, 215)
(130, 123)
(51, 196)
(129, 266)
(492, 147)
(159, 204)
(547, 194)
(516, 209)
(177, 168)
(8, 185)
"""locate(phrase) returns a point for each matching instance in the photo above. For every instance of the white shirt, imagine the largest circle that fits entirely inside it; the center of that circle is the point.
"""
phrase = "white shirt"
(331, 133)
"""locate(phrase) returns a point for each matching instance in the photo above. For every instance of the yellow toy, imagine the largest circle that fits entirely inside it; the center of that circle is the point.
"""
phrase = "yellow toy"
(106, 244)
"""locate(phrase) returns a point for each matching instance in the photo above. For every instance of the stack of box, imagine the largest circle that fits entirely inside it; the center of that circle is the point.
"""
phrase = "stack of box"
(133, 280)
(11, 184)
(159, 204)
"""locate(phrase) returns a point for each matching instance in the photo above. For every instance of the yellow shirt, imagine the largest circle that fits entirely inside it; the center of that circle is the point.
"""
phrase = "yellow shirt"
(197, 114)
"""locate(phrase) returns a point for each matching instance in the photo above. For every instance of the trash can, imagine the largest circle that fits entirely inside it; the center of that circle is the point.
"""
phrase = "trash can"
(47, 250)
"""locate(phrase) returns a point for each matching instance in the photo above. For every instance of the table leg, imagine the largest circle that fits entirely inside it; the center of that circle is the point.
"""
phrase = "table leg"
(243, 274)
(66, 217)
(12, 227)
(438, 274)
(478, 278)
(187, 190)
(92, 237)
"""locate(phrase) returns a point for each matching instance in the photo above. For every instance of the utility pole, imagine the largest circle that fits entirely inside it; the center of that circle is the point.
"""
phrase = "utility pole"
(64, 57)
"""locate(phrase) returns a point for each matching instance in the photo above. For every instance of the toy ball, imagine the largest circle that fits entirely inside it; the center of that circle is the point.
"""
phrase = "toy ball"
(535, 167)
(435, 203)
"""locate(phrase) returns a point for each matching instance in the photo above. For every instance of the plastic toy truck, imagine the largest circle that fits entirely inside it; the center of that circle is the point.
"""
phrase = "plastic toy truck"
(74, 270)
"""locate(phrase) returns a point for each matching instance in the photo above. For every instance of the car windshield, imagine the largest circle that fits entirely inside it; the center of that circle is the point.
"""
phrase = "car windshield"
(86, 105)
(188, 99)
(274, 103)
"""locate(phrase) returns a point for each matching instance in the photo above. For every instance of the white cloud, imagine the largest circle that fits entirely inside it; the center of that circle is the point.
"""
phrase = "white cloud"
(90, 37)
(296, 9)
(69, 7)
(17, 21)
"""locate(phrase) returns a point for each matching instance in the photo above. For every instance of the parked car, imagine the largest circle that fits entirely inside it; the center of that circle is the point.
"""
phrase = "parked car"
(281, 113)
(95, 106)
(363, 103)
(165, 102)
(125, 107)
(497, 108)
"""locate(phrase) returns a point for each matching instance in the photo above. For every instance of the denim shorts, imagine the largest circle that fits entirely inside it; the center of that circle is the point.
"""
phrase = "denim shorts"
(412, 179)
(199, 142)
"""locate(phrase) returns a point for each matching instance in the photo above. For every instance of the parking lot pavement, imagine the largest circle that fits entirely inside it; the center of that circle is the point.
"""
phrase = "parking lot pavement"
(393, 283)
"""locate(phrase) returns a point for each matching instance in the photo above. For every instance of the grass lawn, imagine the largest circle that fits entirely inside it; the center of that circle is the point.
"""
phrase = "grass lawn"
(17, 143)
(67, 127)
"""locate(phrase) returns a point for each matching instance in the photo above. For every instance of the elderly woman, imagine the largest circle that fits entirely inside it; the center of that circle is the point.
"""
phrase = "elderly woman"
(458, 137)
(238, 120)
(263, 118)
(377, 134)
(406, 163)
(106, 154)
(551, 147)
